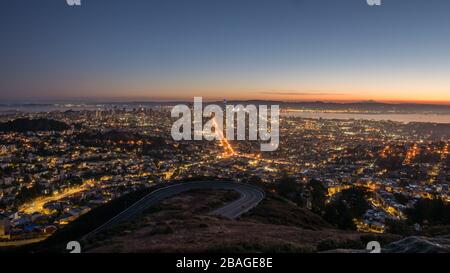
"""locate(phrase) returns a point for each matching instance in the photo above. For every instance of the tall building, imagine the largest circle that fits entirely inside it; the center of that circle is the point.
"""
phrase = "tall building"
(98, 115)
(4, 225)
(3, 150)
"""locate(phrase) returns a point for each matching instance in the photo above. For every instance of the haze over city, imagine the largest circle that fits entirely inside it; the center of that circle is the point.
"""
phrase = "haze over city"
(292, 50)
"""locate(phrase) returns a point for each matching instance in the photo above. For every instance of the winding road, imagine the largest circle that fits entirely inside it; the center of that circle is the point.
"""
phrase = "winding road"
(250, 197)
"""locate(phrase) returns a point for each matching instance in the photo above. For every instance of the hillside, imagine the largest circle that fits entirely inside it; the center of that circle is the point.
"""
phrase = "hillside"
(182, 224)
(33, 125)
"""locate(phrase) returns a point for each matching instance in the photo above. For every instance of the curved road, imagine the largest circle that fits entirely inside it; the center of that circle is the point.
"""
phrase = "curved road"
(250, 197)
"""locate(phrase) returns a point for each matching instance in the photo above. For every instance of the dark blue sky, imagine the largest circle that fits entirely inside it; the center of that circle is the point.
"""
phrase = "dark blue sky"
(167, 49)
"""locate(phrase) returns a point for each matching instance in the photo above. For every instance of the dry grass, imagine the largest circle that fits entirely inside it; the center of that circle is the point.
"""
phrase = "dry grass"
(181, 224)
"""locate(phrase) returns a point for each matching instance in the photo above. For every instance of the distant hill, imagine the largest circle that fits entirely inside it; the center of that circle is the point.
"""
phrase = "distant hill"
(33, 125)
(372, 106)
(369, 105)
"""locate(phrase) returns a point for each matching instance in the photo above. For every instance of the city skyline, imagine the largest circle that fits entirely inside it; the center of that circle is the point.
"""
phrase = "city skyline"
(293, 50)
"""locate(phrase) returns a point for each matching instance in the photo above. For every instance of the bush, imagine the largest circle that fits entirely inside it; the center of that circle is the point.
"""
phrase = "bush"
(163, 229)
(434, 211)
(261, 247)
(330, 244)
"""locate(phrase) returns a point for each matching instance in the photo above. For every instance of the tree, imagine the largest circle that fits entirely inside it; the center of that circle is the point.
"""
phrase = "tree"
(26, 194)
(287, 187)
(398, 227)
(434, 211)
(339, 215)
(254, 179)
(352, 203)
(318, 196)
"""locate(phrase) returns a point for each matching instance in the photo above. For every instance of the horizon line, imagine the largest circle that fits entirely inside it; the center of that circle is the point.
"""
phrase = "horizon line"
(175, 100)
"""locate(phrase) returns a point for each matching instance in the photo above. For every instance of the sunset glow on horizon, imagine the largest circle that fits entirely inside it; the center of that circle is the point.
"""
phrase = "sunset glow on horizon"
(289, 50)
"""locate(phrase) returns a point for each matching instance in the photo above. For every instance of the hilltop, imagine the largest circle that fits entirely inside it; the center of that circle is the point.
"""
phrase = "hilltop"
(33, 125)
(183, 224)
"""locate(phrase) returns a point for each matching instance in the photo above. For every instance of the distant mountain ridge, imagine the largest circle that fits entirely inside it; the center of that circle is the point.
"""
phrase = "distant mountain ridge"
(369, 105)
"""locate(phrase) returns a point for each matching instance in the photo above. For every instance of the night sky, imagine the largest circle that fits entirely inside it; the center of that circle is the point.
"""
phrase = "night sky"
(237, 49)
